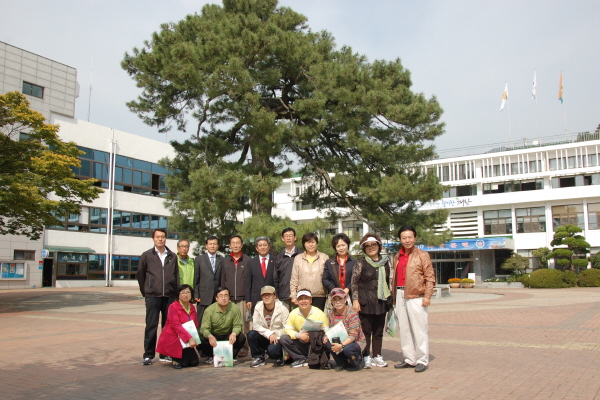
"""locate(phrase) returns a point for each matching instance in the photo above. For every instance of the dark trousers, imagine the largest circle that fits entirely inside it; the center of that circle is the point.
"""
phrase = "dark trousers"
(207, 349)
(200, 313)
(372, 326)
(350, 356)
(155, 307)
(260, 344)
(319, 302)
(297, 349)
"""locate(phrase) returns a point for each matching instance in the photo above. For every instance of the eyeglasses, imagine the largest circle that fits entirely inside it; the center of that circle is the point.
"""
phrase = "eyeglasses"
(184, 247)
(222, 296)
(370, 246)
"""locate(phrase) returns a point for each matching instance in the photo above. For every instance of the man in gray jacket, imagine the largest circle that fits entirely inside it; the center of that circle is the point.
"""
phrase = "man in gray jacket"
(158, 278)
(268, 324)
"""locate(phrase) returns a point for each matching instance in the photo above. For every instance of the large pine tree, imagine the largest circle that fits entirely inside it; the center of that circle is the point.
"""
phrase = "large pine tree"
(267, 96)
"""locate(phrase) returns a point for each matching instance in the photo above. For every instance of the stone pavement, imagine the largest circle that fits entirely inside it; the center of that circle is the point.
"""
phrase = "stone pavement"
(485, 344)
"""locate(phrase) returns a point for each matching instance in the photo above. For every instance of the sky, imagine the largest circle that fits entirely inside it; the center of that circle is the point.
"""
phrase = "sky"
(462, 52)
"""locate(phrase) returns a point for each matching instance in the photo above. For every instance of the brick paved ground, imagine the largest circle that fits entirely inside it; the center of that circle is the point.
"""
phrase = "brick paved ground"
(519, 344)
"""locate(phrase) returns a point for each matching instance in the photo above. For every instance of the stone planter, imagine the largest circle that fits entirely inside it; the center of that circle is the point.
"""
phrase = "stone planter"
(468, 285)
(454, 285)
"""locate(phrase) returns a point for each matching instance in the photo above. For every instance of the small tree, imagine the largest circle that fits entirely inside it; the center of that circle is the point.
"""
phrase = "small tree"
(516, 264)
(576, 244)
(595, 260)
(36, 180)
(542, 256)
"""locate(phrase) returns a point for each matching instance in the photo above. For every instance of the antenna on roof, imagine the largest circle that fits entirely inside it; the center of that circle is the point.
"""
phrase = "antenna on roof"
(90, 98)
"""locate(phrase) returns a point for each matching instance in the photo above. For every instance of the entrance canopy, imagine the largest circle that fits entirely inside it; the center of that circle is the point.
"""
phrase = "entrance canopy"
(69, 249)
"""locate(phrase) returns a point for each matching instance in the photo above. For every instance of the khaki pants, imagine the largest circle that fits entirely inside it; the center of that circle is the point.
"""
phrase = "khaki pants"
(413, 327)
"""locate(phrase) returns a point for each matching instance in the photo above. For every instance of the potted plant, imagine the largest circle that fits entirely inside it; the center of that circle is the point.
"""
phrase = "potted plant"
(454, 282)
(467, 283)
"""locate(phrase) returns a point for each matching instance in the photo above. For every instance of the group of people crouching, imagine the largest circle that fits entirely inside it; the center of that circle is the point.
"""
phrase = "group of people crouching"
(322, 292)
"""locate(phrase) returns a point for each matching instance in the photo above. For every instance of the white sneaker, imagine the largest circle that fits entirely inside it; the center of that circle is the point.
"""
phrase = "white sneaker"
(367, 362)
(378, 361)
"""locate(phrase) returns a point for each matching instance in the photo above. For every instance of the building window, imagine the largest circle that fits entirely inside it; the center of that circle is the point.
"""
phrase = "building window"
(131, 175)
(577, 180)
(531, 220)
(513, 186)
(24, 255)
(594, 215)
(497, 222)
(300, 206)
(33, 90)
(354, 229)
(567, 215)
(460, 191)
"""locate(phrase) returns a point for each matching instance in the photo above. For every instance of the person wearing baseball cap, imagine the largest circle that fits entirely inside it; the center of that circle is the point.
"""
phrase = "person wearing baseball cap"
(268, 322)
(347, 353)
(295, 340)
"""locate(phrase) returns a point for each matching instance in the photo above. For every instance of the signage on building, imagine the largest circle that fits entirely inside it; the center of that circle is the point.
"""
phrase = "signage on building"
(72, 258)
(469, 244)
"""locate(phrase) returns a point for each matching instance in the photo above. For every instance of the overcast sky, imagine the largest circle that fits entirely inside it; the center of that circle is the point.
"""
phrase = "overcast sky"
(462, 52)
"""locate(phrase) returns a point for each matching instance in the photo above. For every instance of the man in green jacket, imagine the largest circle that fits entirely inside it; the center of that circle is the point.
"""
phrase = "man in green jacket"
(185, 263)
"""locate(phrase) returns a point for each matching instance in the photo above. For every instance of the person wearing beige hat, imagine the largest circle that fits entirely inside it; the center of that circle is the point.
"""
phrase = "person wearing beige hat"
(268, 322)
(372, 296)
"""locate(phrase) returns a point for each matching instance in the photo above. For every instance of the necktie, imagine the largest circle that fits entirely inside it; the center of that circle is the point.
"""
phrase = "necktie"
(264, 267)
(212, 262)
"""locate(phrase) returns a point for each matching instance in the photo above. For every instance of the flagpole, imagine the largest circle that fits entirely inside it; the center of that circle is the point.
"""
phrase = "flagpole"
(565, 116)
(508, 114)
(537, 113)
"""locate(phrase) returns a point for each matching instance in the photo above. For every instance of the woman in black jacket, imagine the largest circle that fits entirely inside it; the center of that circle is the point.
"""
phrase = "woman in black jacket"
(338, 269)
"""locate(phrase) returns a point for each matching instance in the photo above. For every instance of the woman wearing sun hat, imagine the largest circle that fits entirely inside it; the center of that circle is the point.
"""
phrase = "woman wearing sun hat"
(371, 296)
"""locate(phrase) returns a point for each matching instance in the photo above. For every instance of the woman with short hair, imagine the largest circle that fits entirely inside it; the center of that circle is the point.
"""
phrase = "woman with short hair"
(307, 271)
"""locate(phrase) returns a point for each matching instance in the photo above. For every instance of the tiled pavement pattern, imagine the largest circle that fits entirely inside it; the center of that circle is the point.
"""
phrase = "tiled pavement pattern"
(485, 344)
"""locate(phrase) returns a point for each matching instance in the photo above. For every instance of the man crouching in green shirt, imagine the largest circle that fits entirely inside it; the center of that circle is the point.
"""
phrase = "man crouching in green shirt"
(221, 321)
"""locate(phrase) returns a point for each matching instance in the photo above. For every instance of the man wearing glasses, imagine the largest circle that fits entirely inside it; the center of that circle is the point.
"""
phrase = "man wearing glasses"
(185, 263)
(222, 321)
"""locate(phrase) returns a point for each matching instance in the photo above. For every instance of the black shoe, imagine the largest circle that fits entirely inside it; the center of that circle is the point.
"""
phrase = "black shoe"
(421, 367)
(279, 362)
(147, 361)
(339, 368)
(176, 365)
(208, 361)
(258, 362)
(162, 358)
(404, 365)
(303, 362)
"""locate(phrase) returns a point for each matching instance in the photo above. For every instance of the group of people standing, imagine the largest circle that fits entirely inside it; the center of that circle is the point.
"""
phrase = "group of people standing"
(263, 305)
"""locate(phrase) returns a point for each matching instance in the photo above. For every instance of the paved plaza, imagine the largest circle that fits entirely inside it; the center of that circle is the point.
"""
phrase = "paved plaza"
(485, 344)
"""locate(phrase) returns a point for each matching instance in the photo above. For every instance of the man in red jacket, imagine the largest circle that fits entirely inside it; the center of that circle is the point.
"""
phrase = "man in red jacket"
(158, 277)
(415, 280)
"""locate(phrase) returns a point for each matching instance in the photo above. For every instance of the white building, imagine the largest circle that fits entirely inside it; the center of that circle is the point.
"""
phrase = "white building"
(74, 253)
(498, 202)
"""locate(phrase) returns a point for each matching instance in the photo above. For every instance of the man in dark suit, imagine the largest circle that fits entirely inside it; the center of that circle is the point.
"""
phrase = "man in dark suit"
(260, 272)
(207, 276)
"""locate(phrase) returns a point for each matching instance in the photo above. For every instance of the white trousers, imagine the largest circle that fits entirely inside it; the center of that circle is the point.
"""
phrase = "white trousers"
(413, 327)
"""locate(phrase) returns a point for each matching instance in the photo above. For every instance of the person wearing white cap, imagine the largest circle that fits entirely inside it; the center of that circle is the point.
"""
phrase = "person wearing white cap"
(268, 322)
(295, 340)
(371, 296)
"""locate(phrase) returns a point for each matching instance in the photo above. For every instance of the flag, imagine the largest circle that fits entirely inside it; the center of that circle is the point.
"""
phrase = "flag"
(504, 97)
(533, 89)
(560, 88)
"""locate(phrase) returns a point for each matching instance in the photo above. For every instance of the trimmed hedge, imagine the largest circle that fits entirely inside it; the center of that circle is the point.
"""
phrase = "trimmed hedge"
(552, 278)
(589, 278)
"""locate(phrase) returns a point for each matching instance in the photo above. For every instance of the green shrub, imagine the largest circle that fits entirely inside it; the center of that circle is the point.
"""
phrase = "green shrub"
(525, 280)
(547, 278)
(569, 278)
(595, 260)
(589, 278)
